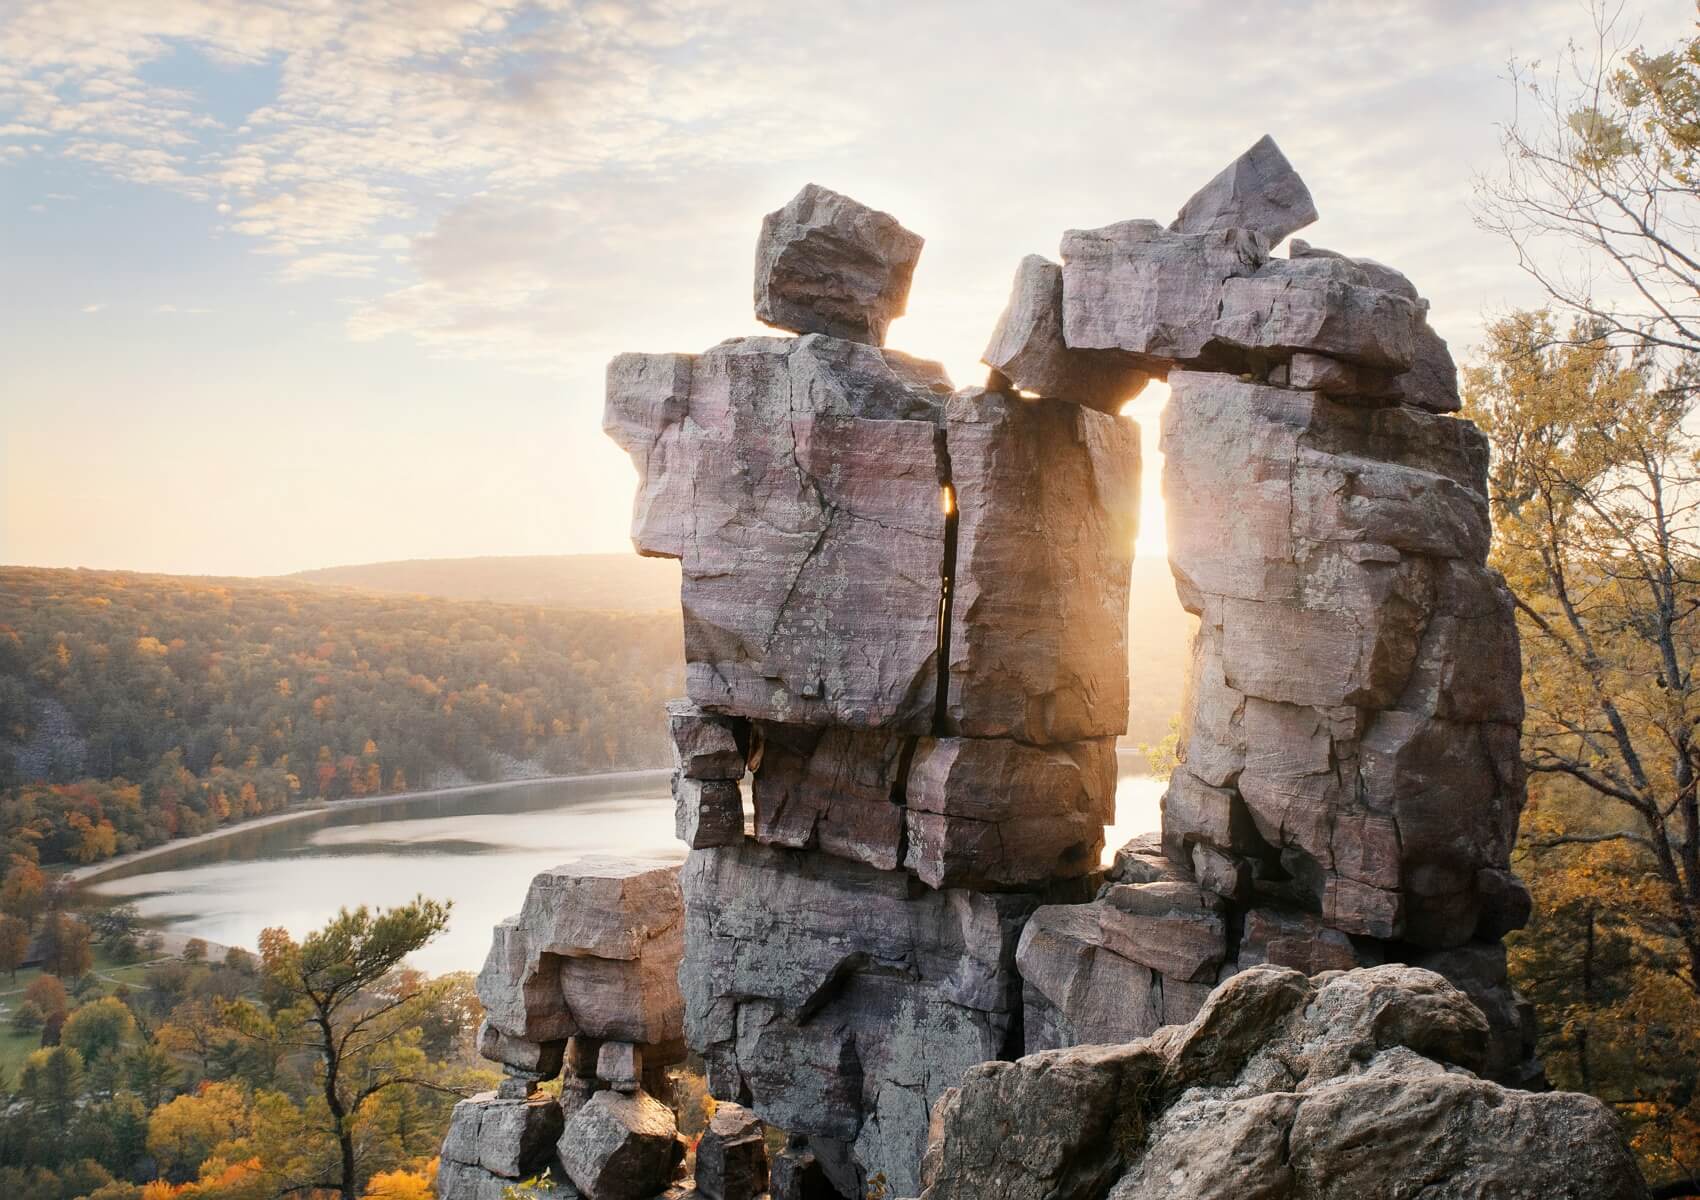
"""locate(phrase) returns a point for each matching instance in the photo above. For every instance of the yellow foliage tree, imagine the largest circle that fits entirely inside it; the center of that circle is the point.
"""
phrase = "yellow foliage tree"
(1597, 530)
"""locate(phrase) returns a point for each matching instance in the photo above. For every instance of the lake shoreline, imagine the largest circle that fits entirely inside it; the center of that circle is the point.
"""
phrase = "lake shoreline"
(94, 871)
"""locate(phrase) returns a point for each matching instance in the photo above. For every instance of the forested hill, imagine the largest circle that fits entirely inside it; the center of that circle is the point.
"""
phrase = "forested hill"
(1159, 633)
(161, 706)
(613, 581)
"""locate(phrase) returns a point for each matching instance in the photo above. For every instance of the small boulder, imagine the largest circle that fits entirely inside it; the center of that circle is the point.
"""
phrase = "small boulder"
(1027, 347)
(827, 264)
(620, 1147)
(512, 1138)
(732, 1155)
(1258, 191)
(707, 812)
(706, 745)
(620, 1066)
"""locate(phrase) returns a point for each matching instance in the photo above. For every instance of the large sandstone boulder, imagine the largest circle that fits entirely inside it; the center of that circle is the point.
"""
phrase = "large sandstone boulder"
(1028, 350)
(826, 264)
(1048, 501)
(512, 1139)
(1258, 191)
(593, 952)
(1357, 1085)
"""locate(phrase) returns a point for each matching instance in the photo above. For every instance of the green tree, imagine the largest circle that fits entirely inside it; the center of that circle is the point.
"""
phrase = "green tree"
(99, 1029)
(52, 1082)
(333, 999)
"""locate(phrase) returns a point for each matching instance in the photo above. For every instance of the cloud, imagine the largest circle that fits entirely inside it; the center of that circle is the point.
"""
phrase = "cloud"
(94, 308)
(511, 180)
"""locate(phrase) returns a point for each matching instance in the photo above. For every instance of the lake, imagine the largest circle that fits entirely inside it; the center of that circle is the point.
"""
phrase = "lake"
(479, 848)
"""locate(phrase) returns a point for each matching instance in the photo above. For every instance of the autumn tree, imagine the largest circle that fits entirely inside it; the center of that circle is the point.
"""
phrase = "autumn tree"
(1597, 530)
(99, 1030)
(338, 998)
(1600, 192)
(65, 946)
(14, 944)
(23, 894)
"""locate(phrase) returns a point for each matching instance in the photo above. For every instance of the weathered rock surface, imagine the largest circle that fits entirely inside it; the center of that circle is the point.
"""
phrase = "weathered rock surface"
(732, 1155)
(833, 790)
(905, 614)
(620, 1147)
(1048, 501)
(798, 482)
(1258, 191)
(1027, 347)
(512, 1139)
(1346, 1085)
(594, 951)
(839, 1001)
(706, 745)
(996, 813)
(1321, 305)
(707, 812)
(1141, 956)
(1352, 715)
(1151, 293)
(826, 264)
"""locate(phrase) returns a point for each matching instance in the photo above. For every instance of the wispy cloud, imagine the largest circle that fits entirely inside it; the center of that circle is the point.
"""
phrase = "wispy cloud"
(93, 308)
(515, 179)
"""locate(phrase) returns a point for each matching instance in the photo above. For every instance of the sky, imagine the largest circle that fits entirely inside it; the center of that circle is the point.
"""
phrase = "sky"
(293, 283)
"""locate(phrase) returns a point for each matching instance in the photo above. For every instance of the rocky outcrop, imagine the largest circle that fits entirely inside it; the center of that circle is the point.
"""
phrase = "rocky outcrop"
(906, 652)
(1358, 1084)
(582, 983)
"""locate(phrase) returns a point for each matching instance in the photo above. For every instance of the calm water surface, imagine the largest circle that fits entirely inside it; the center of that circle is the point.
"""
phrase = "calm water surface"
(477, 848)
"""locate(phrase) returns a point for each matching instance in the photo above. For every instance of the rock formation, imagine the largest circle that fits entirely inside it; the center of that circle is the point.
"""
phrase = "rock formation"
(905, 636)
(582, 984)
(1360, 1085)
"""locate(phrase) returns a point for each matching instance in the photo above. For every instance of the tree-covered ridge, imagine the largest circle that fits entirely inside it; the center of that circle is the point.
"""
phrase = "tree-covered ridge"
(137, 708)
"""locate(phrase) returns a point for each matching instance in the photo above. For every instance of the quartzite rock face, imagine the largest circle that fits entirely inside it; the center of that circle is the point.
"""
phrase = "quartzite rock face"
(1048, 501)
(905, 613)
(1354, 708)
(1258, 191)
(996, 813)
(1150, 293)
(798, 482)
(839, 1001)
(1027, 347)
(595, 952)
(826, 264)
(831, 789)
(1345, 1085)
